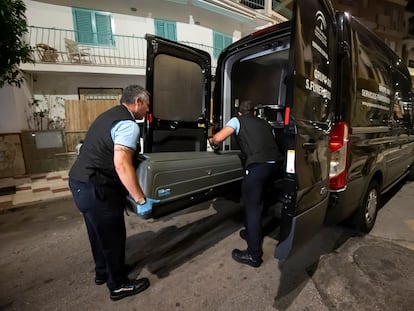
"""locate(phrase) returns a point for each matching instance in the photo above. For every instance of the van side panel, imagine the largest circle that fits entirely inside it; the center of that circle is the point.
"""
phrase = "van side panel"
(375, 100)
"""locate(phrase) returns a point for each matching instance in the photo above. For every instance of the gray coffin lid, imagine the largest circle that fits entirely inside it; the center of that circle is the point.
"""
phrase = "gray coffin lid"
(170, 176)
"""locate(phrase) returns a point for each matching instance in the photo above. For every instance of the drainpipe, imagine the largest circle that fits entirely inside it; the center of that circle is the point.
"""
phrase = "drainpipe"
(268, 8)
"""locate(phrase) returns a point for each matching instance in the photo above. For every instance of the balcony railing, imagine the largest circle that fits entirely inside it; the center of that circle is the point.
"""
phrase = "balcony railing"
(58, 46)
(276, 6)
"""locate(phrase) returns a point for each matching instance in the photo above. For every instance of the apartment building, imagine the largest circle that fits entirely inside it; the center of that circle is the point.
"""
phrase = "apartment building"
(391, 20)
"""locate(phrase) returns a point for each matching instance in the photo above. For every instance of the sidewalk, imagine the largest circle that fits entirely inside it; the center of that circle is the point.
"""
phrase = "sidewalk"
(30, 189)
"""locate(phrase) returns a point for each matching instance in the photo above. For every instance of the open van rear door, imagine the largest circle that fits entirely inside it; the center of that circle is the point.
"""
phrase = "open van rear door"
(308, 120)
(178, 78)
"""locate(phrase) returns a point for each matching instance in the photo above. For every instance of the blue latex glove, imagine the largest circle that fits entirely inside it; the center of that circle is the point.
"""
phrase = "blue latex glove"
(143, 209)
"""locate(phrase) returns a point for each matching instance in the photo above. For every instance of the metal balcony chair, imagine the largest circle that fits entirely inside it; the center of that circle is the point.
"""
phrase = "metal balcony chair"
(76, 54)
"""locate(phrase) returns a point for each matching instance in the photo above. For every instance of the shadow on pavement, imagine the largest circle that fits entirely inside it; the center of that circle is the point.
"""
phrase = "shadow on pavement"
(167, 249)
(298, 269)
(374, 274)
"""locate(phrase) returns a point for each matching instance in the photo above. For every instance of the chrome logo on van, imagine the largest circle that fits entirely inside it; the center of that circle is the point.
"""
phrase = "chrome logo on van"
(320, 33)
(320, 28)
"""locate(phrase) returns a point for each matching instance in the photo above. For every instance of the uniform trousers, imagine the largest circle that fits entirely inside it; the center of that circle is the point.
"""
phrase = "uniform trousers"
(257, 177)
(102, 207)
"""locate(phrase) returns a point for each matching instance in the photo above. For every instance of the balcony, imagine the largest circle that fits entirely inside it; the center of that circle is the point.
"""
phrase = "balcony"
(57, 50)
(269, 6)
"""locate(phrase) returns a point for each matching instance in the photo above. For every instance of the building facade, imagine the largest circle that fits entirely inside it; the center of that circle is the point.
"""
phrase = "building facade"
(86, 51)
(391, 20)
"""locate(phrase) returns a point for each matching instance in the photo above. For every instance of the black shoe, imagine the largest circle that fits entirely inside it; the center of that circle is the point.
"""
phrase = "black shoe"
(132, 288)
(246, 258)
(100, 280)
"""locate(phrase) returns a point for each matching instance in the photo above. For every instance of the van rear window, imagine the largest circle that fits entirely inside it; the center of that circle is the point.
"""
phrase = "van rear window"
(178, 89)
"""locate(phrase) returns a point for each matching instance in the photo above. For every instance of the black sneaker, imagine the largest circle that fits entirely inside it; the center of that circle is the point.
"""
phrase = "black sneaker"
(132, 288)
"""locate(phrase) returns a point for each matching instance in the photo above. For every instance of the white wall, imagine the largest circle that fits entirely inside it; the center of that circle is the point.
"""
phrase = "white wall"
(53, 89)
(13, 103)
(16, 111)
(132, 26)
(47, 15)
(194, 33)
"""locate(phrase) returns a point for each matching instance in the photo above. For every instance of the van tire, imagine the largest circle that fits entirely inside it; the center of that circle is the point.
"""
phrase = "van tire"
(368, 210)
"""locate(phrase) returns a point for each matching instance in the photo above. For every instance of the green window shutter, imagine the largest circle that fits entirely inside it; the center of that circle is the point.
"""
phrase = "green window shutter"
(83, 26)
(159, 28)
(103, 29)
(171, 31)
(166, 29)
(220, 41)
(93, 27)
(217, 45)
(227, 41)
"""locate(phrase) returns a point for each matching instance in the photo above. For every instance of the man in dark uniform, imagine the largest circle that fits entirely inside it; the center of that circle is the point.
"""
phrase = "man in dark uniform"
(261, 155)
(103, 174)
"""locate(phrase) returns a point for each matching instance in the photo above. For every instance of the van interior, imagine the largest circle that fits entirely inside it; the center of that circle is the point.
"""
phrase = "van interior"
(259, 75)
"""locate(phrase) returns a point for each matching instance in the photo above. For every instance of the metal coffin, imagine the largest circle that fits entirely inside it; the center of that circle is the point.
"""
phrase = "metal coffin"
(178, 179)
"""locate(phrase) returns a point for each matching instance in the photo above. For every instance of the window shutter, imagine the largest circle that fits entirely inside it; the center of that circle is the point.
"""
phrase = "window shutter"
(227, 41)
(103, 29)
(217, 44)
(220, 41)
(83, 25)
(93, 27)
(159, 28)
(171, 31)
(166, 29)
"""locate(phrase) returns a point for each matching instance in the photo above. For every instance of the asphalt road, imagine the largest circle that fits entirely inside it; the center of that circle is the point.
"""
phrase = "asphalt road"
(46, 264)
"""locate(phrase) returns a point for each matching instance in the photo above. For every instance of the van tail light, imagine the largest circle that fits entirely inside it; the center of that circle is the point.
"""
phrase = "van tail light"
(338, 143)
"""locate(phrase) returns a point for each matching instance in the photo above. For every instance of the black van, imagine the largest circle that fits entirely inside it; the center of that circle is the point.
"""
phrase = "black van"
(338, 98)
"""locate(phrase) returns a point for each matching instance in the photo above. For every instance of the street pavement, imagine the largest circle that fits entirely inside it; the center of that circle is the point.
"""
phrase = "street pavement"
(46, 262)
(375, 272)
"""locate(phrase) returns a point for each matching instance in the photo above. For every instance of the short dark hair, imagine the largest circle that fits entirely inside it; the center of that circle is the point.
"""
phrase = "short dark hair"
(131, 92)
(246, 107)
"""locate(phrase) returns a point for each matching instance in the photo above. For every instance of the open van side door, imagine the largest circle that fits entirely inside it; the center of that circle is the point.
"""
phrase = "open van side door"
(178, 78)
(310, 100)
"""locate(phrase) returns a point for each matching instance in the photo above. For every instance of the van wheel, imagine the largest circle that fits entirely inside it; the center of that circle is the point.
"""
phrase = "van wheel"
(367, 213)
